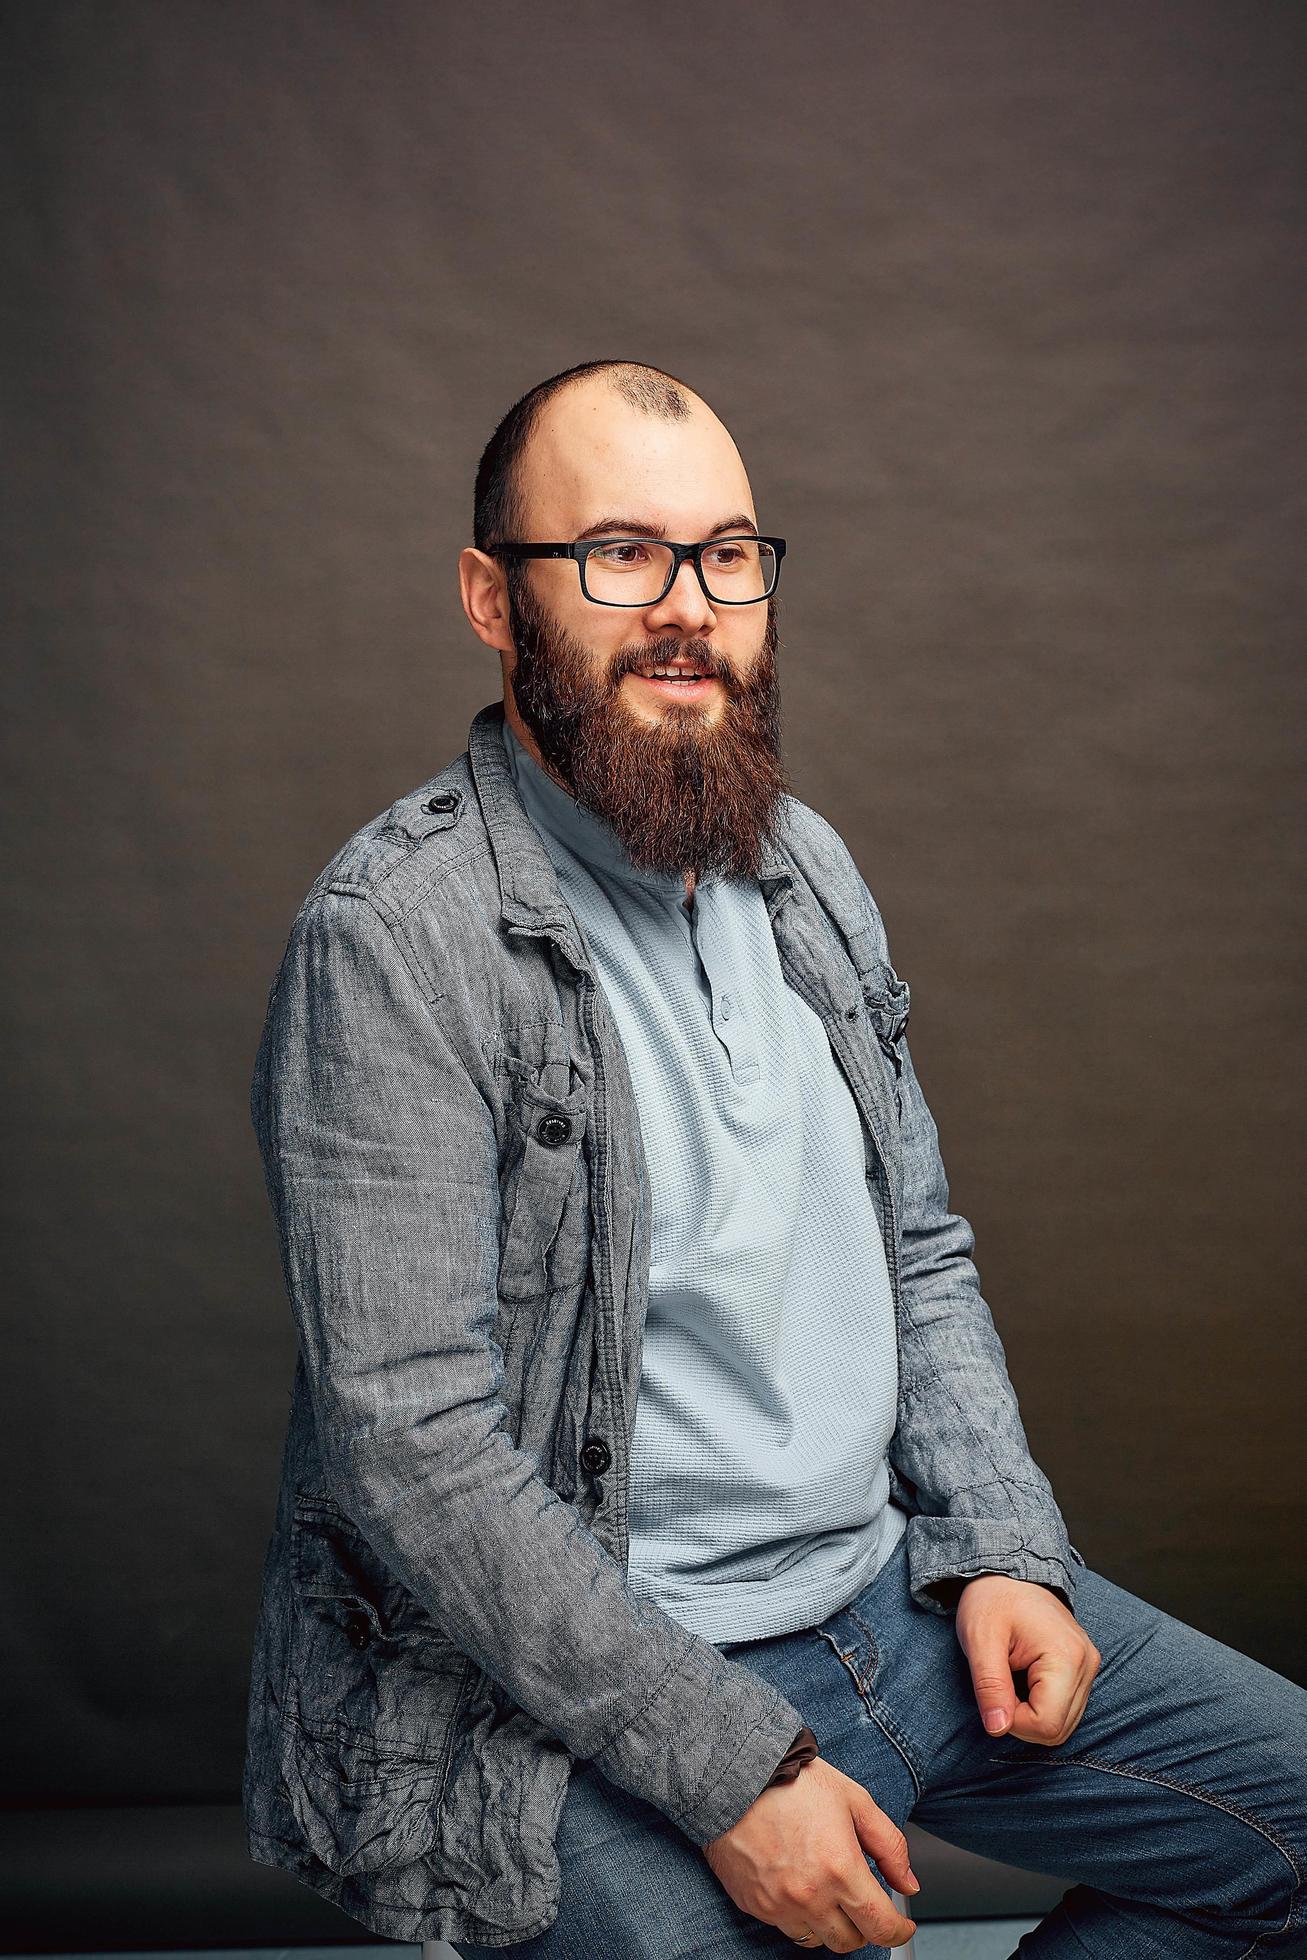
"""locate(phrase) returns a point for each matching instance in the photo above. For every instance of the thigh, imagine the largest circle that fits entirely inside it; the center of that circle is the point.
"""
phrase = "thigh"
(1184, 1787)
(635, 1885)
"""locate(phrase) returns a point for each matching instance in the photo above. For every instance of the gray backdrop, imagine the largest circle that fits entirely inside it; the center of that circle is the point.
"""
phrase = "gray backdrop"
(1004, 305)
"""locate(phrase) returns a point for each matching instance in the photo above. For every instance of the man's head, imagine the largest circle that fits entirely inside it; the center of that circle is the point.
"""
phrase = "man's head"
(617, 448)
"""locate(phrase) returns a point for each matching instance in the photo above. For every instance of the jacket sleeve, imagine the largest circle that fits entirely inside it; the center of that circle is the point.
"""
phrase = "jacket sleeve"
(985, 1505)
(381, 1161)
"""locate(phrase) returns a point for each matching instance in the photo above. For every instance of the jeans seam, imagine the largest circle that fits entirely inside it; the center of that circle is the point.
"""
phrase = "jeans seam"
(1199, 1795)
(875, 1708)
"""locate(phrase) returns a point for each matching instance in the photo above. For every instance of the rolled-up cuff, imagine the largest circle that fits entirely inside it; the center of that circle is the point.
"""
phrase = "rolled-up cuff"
(943, 1553)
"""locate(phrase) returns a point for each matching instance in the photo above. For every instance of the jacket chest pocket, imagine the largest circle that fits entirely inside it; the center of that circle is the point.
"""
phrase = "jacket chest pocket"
(375, 1689)
(545, 1241)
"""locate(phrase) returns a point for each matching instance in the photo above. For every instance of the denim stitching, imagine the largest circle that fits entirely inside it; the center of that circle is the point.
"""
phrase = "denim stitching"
(436, 874)
(688, 1810)
(1199, 1795)
(875, 1708)
(678, 1666)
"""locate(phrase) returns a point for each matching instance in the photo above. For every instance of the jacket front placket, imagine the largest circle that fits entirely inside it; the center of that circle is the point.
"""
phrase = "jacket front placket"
(618, 1340)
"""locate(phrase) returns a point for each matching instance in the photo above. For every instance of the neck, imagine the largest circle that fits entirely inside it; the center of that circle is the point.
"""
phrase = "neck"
(528, 741)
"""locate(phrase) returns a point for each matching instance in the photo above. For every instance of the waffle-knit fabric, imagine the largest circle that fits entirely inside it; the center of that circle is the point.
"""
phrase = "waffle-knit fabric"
(759, 1495)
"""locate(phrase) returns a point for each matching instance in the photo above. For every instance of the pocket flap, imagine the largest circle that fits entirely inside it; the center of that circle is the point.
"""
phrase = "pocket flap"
(549, 1130)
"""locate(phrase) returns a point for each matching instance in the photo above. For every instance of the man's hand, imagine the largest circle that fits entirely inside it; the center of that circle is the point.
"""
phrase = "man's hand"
(1006, 1625)
(795, 1861)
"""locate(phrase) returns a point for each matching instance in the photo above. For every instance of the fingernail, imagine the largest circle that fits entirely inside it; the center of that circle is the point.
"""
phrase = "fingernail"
(995, 1721)
(914, 1883)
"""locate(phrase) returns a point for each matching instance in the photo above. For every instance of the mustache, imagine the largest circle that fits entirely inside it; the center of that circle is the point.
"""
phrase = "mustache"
(696, 654)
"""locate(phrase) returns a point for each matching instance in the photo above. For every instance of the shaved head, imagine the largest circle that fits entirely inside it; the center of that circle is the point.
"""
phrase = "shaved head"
(499, 505)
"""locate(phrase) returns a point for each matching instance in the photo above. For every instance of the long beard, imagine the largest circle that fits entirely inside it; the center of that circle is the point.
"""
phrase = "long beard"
(682, 794)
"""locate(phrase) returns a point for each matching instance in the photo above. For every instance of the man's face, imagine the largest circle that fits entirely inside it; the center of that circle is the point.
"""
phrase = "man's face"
(688, 785)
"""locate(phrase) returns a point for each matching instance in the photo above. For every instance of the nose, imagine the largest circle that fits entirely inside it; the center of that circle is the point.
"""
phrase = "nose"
(684, 608)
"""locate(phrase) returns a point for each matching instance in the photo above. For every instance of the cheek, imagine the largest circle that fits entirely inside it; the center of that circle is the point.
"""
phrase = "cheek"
(748, 656)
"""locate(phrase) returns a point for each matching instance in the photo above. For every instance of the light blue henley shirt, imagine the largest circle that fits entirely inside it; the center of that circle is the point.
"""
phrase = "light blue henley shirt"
(759, 1498)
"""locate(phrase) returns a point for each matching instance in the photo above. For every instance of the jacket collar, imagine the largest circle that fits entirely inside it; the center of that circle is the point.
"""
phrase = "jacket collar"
(530, 897)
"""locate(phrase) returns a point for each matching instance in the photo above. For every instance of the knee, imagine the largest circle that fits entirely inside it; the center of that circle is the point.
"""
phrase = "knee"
(1271, 1900)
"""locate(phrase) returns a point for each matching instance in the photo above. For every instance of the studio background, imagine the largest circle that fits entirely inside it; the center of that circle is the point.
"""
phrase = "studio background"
(1004, 306)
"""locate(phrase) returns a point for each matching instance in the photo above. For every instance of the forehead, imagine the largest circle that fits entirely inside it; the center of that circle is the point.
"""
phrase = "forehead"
(592, 455)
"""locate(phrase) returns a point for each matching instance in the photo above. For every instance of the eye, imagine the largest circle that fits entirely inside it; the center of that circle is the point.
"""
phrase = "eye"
(624, 555)
(733, 555)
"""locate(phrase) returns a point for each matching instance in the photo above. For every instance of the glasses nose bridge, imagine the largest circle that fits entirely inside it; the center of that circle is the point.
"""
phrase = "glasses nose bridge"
(683, 555)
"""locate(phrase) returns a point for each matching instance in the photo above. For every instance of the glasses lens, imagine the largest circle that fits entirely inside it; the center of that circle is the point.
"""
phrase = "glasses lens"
(737, 570)
(627, 571)
(635, 571)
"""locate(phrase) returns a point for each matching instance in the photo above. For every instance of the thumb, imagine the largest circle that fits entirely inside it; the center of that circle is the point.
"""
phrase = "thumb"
(995, 1691)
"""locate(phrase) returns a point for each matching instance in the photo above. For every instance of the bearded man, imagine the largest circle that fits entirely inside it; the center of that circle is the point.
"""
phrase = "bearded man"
(658, 1531)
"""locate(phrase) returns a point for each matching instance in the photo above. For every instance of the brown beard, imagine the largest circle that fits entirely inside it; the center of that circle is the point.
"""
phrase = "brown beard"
(682, 794)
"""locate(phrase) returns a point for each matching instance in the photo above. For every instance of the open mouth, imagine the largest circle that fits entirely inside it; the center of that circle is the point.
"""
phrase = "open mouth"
(690, 685)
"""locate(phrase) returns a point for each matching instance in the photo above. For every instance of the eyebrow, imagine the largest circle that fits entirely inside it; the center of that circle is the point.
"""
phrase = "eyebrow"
(634, 527)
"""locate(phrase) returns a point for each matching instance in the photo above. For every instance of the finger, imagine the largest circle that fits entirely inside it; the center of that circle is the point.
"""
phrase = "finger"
(1081, 1701)
(1053, 1684)
(876, 1919)
(991, 1679)
(881, 1836)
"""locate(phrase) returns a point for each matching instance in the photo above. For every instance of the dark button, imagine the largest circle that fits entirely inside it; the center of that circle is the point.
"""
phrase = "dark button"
(444, 799)
(595, 1457)
(358, 1628)
(553, 1130)
(851, 1013)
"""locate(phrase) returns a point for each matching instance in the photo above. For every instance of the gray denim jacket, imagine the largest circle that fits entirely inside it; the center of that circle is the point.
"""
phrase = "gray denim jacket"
(453, 1154)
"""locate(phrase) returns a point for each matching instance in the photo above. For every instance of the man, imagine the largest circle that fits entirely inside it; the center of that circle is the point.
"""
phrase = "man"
(657, 1528)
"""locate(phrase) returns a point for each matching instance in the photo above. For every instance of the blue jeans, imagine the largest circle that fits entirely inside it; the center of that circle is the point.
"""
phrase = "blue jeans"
(1178, 1807)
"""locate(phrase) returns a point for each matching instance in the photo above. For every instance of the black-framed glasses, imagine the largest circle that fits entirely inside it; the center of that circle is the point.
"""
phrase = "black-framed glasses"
(621, 571)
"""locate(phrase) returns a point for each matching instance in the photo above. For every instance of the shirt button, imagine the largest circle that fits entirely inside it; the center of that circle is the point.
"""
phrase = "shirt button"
(726, 1007)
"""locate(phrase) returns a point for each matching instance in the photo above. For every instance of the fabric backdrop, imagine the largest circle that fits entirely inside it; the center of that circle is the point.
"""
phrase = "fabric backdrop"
(1004, 306)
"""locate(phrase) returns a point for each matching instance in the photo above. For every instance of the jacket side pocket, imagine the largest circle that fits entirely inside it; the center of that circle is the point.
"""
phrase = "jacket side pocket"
(375, 1693)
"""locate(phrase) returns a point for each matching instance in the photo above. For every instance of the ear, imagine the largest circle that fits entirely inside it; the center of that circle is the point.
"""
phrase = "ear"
(483, 588)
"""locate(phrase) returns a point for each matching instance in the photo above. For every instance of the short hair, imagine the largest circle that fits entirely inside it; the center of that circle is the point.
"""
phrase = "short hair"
(498, 508)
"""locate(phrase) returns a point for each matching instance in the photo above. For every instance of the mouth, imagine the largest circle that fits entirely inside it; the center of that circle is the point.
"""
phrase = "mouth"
(686, 683)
